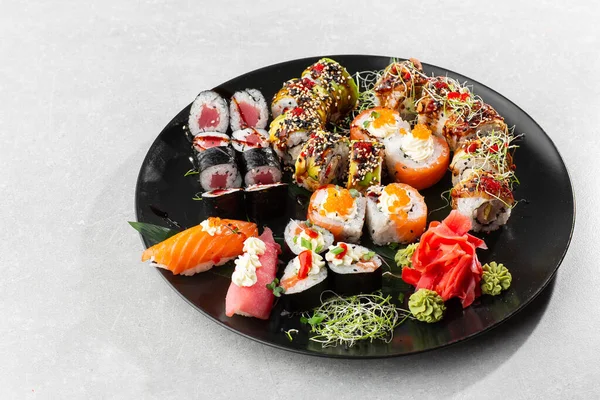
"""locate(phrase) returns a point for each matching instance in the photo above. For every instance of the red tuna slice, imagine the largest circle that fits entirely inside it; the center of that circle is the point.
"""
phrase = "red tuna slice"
(263, 178)
(249, 114)
(218, 181)
(203, 142)
(256, 300)
(209, 117)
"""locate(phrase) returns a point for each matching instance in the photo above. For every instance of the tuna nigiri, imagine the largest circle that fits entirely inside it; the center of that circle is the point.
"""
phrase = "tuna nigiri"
(214, 242)
(248, 294)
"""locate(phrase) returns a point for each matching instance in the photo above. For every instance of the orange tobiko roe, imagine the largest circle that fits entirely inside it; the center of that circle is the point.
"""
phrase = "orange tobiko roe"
(421, 132)
(385, 117)
(338, 201)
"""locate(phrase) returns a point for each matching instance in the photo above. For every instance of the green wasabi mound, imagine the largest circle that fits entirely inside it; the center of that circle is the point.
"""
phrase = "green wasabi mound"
(495, 279)
(426, 306)
(403, 256)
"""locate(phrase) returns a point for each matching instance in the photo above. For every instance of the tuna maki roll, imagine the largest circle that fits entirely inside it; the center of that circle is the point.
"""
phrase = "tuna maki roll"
(266, 202)
(353, 269)
(261, 166)
(249, 138)
(323, 158)
(304, 279)
(208, 113)
(303, 235)
(224, 203)
(248, 109)
(218, 169)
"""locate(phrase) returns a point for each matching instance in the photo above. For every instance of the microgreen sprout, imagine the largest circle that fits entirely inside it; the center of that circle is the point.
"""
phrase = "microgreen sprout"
(346, 320)
(275, 288)
(191, 171)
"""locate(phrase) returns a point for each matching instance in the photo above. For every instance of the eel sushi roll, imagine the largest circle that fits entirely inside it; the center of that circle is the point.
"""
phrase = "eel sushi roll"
(303, 93)
(492, 153)
(208, 113)
(289, 131)
(400, 86)
(304, 279)
(338, 210)
(485, 198)
(224, 203)
(207, 140)
(396, 213)
(353, 269)
(261, 166)
(483, 120)
(303, 235)
(218, 169)
(249, 138)
(377, 124)
(323, 158)
(265, 202)
(248, 109)
(339, 84)
(417, 157)
(366, 159)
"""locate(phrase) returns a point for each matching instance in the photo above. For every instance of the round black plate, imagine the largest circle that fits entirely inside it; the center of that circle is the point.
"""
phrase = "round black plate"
(532, 244)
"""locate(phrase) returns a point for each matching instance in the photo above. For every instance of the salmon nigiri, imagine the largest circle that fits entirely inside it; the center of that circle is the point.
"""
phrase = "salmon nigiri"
(214, 242)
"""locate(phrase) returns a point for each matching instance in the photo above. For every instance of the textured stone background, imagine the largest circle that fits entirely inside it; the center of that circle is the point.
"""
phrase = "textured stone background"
(85, 87)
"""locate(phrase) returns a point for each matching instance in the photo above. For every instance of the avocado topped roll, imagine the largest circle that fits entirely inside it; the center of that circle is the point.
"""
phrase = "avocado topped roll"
(354, 269)
(304, 93)
(366, 159)
(323, 158)
(338, 82)
(290, 130)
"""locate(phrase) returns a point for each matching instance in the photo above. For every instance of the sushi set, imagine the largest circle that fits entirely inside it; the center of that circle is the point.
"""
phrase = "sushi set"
(380, 183)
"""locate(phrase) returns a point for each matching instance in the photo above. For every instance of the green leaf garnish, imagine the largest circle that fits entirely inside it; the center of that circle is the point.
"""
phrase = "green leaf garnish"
(375, 114)
(191, 171)
(305, 243)
(316, 319)
(336, 251)
(401, 297)
(153, 233)
(197, 196)
(366, 124)
(368, 256)
(273, 286)
(295, 239)
(289, 332)
(319, 249)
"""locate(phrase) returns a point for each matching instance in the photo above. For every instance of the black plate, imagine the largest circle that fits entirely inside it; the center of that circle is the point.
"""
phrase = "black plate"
(532, 244)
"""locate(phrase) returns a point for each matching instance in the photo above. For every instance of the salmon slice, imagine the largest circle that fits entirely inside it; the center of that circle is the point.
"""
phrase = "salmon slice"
(195, 250)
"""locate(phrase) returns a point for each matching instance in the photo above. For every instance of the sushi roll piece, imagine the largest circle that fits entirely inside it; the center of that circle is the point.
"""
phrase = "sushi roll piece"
(261, 166)
(206, 140)
(485, 198)
(338, 82)
(417, 157)
(214, 242)
(249, 138)
(338, 210)
(303, 93)
(248, 294)
(353, 269)
(323, 158)
(492, 153)
(208, 113)
(442, 98)
(218, 169)
(483, 120)
(289, 131)
(366, 159)
(400, 86)
(303, 235)
(266, 202)
(377, 124)
(304, 279)
(224, 203)
(396, 213)
(248, 109)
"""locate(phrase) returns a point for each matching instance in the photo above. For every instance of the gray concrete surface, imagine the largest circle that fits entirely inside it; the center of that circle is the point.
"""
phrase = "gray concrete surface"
(85, 87)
